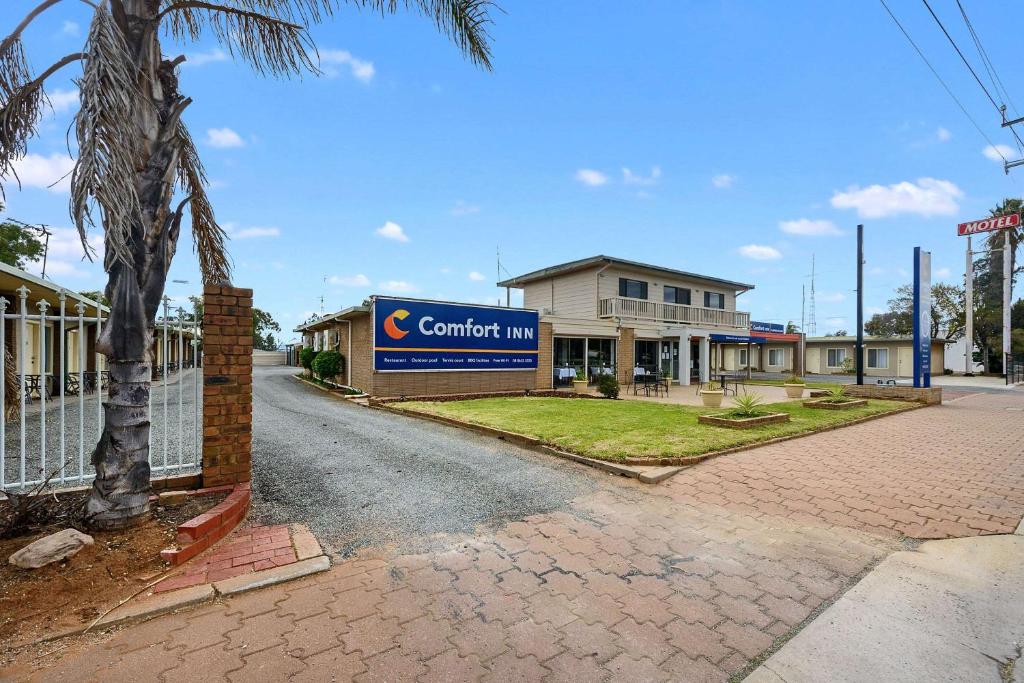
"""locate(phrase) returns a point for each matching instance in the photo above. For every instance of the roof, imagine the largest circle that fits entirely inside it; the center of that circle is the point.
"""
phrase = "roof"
(340, 315)
(571, 266)
(868, 338)
(11, 278)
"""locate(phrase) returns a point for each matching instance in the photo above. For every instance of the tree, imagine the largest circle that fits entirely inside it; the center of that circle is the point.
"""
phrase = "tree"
(791, 328)
(837, 333)
(96, 296)
(18, 245)
(262, 324)
(136, 158)
(988, 276)
(948, 316)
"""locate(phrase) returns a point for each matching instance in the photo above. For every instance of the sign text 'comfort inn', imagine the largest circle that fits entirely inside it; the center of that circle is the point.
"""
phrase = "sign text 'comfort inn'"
(423, 336)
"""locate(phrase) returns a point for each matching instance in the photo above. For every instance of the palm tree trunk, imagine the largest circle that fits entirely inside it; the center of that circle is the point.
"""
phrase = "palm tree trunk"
(120, 492)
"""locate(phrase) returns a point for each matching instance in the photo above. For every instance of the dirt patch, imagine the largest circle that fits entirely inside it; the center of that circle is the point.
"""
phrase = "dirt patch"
(46, 601)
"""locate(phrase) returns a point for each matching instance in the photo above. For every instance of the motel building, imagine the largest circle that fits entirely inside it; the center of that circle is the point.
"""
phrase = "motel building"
(596, 316)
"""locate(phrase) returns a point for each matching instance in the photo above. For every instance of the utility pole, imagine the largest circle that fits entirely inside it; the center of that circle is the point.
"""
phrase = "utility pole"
(969, 310)
(1007, 165)
(802, 346)
(860, 305)
(812, 323)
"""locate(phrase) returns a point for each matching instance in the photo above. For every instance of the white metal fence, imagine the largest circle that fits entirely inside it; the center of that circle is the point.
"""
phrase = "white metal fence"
(58, 394)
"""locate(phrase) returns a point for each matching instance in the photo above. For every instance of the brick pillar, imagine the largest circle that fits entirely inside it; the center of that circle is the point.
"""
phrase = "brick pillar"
(624, 355)
(545, 357)
(227, 384)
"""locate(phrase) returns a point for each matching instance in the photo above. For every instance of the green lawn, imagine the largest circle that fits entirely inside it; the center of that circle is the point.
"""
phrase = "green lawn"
(618, 429)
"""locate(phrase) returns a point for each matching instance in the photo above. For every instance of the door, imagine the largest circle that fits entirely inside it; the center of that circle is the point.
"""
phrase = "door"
(905, 362)
(670, 359)
(813, 361)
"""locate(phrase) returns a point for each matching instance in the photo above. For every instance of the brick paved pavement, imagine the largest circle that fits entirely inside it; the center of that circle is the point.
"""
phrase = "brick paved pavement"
(689, 581)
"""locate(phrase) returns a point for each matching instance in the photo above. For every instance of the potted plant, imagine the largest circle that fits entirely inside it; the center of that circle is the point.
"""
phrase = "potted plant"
(747, 412)
(580, 383)
(794, 386)
(711, 394)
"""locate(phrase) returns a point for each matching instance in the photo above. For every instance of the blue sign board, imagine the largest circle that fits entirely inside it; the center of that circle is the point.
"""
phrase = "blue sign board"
(767, 327)
(736, 339)
(430, 336)
(922, 318)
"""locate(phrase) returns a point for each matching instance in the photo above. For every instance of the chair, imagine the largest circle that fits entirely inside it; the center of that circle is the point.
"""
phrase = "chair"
(71, 384)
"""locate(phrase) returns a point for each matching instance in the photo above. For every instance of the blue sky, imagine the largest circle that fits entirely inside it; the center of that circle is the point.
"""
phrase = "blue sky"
(716, 137)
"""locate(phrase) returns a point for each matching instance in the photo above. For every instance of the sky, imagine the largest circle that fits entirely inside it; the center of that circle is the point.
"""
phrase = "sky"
(734, 139)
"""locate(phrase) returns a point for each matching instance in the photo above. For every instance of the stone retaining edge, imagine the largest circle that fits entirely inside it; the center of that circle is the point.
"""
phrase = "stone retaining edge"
(199, 533)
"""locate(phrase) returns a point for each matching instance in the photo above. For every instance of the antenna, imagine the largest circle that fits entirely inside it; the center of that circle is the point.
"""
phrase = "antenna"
(812, 324)
(43, 232)
(322, 297)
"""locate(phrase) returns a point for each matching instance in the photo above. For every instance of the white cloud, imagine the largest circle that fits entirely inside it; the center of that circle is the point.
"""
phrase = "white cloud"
(723, 180)
(630, 178)
(760, 252)
(254, 232)
(462, 208)
(223, 138)
(204, 58)
(589, 176)
(926, 197)
(831, 297)
(360, 69)
(806, 226)
(62, 100)
(392, 231)
(358, 280)
(943, 135)
(51, 173)
(942, 272)
(397, 287)
(998, 152)
(836, 322)
(65, 257)
(69, 28)
(476, 276)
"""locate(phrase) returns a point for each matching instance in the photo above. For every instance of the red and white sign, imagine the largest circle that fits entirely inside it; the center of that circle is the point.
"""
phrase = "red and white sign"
(989, 224)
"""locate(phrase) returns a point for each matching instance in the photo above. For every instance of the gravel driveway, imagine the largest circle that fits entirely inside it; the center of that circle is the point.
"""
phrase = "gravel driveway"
(363, 477)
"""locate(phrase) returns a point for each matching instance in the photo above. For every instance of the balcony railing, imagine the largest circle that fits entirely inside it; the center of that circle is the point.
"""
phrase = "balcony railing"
(641, 309)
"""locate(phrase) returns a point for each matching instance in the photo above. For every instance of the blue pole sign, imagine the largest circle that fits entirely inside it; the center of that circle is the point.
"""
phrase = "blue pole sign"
(411, 335)
(922, 318)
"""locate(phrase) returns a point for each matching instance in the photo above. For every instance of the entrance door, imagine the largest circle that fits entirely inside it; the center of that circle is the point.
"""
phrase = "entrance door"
(813, 361)
(695, 360)
(905, 362)
(669, 359)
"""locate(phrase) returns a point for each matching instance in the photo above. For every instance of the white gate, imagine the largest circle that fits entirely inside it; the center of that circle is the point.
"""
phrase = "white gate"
(57, 392)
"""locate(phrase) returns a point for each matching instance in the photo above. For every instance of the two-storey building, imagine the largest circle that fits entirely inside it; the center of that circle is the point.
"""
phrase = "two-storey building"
(610, 314)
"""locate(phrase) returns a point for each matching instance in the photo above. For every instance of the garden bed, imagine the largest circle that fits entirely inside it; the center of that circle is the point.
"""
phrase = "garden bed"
(836, 405)
(725, 420)
(43, 602)
(631, 432)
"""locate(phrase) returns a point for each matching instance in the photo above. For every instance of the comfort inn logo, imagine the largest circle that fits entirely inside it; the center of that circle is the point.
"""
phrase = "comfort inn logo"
(391, 329)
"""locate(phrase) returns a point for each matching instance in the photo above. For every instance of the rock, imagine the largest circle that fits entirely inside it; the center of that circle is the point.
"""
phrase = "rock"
(173, 498)
(52, 548)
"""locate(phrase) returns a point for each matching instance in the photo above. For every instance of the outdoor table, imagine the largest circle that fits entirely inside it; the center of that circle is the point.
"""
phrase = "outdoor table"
(565, 374)
(725, 378)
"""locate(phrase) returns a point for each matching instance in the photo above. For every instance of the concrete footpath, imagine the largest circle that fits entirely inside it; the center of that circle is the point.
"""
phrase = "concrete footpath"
(951, 610)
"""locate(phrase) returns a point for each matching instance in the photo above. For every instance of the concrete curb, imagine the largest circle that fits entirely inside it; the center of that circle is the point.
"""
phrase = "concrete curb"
(332, 392)
(270, 577)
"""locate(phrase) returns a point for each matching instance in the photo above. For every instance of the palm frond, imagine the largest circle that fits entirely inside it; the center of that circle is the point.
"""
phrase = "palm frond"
(465, 22)
(271, 44)
(207, 236)
(108, 140)
(21, 107)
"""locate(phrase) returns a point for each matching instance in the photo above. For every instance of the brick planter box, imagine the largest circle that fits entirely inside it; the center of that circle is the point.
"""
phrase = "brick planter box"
(743, 422)
(829, 405)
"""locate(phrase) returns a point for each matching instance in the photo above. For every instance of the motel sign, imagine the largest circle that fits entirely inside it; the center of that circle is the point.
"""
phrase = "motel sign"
(988, 225)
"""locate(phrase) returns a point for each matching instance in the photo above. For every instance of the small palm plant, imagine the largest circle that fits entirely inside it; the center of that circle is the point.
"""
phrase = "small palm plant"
(837, 395)
(748, 405)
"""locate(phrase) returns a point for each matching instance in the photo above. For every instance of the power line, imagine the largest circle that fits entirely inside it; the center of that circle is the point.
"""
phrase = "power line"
(941, 81)
(969, 67)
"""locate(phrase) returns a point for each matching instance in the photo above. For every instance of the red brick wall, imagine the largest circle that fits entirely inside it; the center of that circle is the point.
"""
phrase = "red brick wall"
(227, 385)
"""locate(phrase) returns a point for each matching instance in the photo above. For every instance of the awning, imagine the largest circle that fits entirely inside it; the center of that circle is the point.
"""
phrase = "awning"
(737, 339)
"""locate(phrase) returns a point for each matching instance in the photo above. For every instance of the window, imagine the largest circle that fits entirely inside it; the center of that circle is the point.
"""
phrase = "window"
(677, 295)
(878, 358)
(714, 300)
(742, 358)
(776, 357)
(634, 289)
(836, 358)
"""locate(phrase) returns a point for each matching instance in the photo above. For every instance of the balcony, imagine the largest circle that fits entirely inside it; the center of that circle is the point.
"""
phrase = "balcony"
(641, 309)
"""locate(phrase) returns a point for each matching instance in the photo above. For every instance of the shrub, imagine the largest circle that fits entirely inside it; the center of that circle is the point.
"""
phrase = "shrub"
(307, 357)
(747, 405)
(837, 395)
(328, 364)
(793, 379)
(608, 385)
(580, 376)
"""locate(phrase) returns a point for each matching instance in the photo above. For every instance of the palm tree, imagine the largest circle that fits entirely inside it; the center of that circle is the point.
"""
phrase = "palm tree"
(136, 157)
(988, 325)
